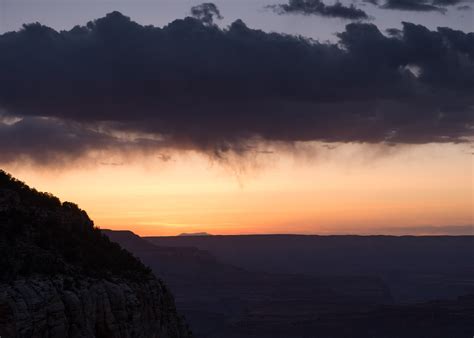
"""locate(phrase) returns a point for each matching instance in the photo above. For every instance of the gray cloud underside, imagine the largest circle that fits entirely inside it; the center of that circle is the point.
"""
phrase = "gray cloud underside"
(51, 140)
(192, 85)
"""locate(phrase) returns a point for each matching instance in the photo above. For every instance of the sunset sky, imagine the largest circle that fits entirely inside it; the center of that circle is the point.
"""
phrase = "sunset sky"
(362, 133)
(350, 189)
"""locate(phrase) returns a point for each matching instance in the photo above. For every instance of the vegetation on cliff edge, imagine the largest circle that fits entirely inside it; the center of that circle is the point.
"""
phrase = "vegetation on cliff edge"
(41, 235)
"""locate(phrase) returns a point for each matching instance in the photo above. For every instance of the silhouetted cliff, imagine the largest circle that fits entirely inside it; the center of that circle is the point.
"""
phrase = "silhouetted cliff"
(60, 277)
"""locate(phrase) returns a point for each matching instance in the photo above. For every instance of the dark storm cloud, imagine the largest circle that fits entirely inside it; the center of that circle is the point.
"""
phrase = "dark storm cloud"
(39, 139)
(417, 5)
(190, 85)
(317, 7)
(52, 140)
(206, 12)
(448, 2)
(373, 2)
(413, 5)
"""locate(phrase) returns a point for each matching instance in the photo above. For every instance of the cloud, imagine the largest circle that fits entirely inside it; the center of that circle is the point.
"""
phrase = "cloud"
(114, 84)
(448, 2)
(373, 2)
(206, 12)
(417, 5)
(412, 5)
(49, 140)
(317, 7)
(38, 139)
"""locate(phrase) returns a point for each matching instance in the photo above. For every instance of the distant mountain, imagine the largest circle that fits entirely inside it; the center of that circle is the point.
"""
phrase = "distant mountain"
(351, 299)
(215, 296)
(61, 277)
(416, 269)
(194, 234)
(174, 264)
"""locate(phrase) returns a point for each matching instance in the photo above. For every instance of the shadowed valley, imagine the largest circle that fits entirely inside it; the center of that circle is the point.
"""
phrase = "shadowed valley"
(311, 286)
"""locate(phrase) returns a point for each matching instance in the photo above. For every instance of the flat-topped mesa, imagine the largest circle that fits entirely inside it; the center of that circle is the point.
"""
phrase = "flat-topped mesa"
(61, 277)
(194, 234)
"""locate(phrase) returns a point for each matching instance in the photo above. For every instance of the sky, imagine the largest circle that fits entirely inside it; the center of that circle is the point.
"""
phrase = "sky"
(251, 117)
(64, 14)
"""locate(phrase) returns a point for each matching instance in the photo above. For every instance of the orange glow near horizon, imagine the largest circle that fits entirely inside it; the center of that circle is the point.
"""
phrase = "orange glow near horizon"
(350, 189)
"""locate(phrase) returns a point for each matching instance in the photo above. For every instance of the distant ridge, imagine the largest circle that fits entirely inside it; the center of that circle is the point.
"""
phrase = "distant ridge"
(194, 234)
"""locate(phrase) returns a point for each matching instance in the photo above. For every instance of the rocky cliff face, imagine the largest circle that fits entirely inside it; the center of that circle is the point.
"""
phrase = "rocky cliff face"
(60, 277)
(62, 307)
